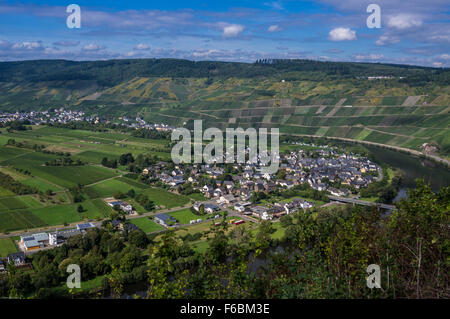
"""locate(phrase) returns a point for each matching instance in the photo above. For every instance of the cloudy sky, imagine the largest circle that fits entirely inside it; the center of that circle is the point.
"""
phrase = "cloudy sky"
(412, 32)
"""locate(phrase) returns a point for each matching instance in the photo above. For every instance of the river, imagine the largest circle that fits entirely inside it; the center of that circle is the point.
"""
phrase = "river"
(413, 167)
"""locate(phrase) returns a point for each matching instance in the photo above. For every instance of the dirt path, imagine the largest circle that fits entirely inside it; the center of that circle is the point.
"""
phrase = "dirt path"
(341, 102)
(104, 180)
(333, 111)
(395, 134)
(201, 113)
(321, 108)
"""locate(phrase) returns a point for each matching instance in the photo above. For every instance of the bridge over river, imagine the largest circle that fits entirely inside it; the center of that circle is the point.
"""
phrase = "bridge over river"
(360, 202)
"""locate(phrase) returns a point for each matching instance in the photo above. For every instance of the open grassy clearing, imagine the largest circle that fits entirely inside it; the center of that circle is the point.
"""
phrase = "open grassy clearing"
(147, 225)
(7, 247)
(184, 216)
(165, 199)
(107, 188)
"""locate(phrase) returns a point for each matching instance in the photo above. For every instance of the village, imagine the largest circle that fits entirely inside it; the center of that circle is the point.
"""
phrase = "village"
(63, 116)
(234, 188)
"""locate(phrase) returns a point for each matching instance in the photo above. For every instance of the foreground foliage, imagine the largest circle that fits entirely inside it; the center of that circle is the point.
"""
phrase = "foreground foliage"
(324, 254)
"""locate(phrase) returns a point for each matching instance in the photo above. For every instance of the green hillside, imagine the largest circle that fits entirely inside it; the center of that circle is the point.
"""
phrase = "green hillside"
(300, 97)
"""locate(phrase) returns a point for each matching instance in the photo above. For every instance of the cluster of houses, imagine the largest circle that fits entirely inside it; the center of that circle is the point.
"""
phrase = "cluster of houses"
(63, 116)
(278, 209)
(54, 116)
(319, 172)
(327, 167)
(141, 124)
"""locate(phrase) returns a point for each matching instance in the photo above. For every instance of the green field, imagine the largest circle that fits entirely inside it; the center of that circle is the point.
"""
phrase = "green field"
(147, 225)
(164, 198)
(5, 192)
(12, 203)
(7, 247)
(15, 220)
(184, 216)
(58, 215)
(107, 188)
(28, 167)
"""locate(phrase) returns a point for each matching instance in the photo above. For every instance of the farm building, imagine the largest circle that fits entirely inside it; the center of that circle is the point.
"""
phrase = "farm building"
(34, 241)
(60, 237)
(84, 227)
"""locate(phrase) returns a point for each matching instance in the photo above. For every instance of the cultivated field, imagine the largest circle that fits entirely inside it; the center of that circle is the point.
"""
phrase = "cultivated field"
(53, 205)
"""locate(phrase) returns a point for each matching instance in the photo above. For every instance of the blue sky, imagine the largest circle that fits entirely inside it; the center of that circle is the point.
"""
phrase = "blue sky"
(412, 32)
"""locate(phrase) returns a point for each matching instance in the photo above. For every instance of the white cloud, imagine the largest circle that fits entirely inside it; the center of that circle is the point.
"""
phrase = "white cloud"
(404, 21)
(274, 28)
(27, 45)
(205, 53)
(387, 39)
(232, 30)
(4, 44)
(445, 56)
(142, 46)
(438, 64)
(342, 34)
(368, 57)
(277, 5)
(66, 43)
(93, 47)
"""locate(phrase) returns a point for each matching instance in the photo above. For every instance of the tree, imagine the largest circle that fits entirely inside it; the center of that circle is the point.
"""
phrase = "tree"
(263, 238)
(80, 209)
(131, 193)
(125, 159)
(418, 242)
(115, 281)
(138, 238)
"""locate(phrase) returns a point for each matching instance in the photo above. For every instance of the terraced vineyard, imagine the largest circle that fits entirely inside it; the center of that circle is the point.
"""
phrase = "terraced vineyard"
(376, 115)
(299, 97)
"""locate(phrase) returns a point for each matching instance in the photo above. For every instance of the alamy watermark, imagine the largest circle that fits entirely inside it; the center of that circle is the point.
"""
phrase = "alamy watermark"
(373, 20)
(74, 279)
(74, 19)
(374, 278)
(257, 151)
